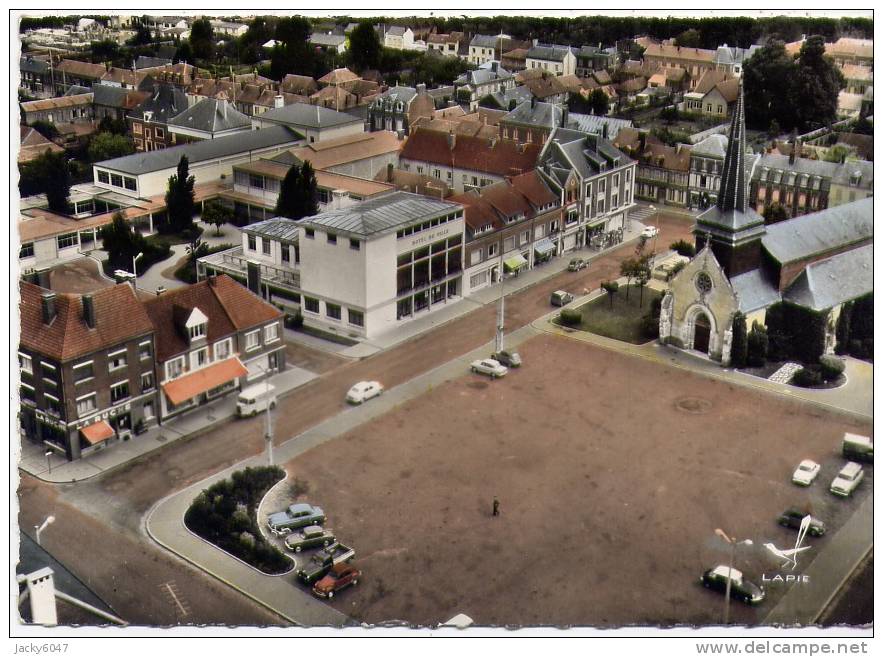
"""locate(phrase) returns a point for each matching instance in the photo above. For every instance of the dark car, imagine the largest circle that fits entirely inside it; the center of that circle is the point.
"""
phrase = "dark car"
(339, 577)
(793, 517)
(740, 588)
(560, 298)
(322, 561)
(507, 358)
(309, 537)
(576, 264)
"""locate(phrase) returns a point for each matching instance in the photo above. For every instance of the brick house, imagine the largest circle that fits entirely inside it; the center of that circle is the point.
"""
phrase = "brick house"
(149, 121)
(70, 72)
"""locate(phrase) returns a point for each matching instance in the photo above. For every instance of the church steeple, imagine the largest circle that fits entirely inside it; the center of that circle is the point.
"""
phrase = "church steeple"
(731, 225)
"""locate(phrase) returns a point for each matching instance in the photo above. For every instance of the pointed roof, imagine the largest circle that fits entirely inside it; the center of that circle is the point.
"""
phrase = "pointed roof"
(212, 115)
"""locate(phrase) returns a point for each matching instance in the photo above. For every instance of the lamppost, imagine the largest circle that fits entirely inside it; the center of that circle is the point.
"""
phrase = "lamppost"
(48, 461)
(268, 430)
(733, 545)
(656, 236)
(134, 273)
(49, 520)
(498, 342)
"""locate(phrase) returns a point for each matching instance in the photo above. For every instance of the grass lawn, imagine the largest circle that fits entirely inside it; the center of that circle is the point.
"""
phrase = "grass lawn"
(623, 320)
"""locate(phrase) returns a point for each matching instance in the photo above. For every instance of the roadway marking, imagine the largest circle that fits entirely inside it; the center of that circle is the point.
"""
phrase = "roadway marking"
(171, 587)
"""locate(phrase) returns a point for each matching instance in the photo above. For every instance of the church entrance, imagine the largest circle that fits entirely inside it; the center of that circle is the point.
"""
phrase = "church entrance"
(701, 333)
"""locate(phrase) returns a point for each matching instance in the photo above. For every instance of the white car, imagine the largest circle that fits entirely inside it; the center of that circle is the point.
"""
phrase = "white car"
(805, 473)
(650, 231)
(490, 367)
(848, 479)
(363, 391)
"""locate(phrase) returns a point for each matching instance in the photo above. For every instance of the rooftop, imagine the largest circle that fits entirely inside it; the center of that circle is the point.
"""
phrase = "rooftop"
(301, 115)
(211, 115)
(830, 282)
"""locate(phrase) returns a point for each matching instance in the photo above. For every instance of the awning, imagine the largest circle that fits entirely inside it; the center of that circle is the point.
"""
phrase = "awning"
(188, 386)
(515, 262)
(97, 432)
(544, 247)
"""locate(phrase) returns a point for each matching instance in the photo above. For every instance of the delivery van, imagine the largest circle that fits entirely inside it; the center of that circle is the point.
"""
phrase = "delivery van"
(858, 448)
(254, 399)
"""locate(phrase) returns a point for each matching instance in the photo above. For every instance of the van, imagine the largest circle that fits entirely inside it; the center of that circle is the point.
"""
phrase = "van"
(254, 399)
(560, 298)
(858, 448)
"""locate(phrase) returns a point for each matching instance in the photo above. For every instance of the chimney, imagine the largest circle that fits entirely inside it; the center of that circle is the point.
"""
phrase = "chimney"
(48, 303)
(254, 277)
(89, 310)
(452, 140)
(278, 101)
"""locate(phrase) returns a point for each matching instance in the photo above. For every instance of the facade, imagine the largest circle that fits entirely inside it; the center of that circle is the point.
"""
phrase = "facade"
(532, 122)
(361, 155)
(399, 38)
(595, 182)
(313, 122)
(36, 77)
(558, 60)
(445, 44)
(663, 173)
(398, 108)
(148, 123)
(64, 109)
(213, 337)
(335, 43)
(70, 72)
(695, 61)
(706, 166)
(713, 95)
(489, 79)
(87, 368)
(731, 59)
(115, 102)
(485, 48)
(594, 58)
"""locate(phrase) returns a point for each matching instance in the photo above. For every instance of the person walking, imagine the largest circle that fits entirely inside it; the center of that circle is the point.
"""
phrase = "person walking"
(496, 510)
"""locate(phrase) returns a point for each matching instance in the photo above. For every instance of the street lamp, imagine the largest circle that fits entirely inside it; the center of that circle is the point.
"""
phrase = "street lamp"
(656, 236)
(498, 342)
(733, 545)
(48, 461)
(49, 520)
(134, 273)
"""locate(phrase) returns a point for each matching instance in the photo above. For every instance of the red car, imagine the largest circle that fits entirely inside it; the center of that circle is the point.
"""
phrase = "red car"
(340, 576)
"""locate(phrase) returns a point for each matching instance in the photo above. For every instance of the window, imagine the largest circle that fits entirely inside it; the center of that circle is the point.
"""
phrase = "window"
(356, 317)
(616, 180)
(119, 391)
(197, 331)
(286, 253)
(137, 128)
(600, 206)
(355, 244)
(202, 357)
(148, 411)
(116, 360)
(65, 241)
(147, 381)
(271, 333)
(26, 393)
(332, 310)
(25, 363)
(525, 237)
(492, 250)
(175, 368)
(129, 183)
(332, 238)
(478, 279)
(252, 243)
(160, 133)
(265, 246)
(256, 181)
(602, 186)
(103, 177)
(86, 405)
(311, 305)
(116, 180)
(144, 351)
(252, 340)
(222, 349)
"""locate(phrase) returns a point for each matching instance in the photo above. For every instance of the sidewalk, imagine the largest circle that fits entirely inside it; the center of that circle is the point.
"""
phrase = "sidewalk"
(59, 470)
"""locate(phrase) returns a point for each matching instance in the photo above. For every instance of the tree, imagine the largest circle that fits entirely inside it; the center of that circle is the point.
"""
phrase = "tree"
(113, 126)
(184, 52)
(142, 35)
(46, 129)
(758, 344)
(611, 288)
(629, 269)
(121, 242)
(816, 86)
(774, 129)
(106, 146)
(775, 212)
(287, 203)
(837, 153)
(642, 276)
(862, 126)
(843, 329)
(767, 78)
(47, 174)
(599, 102)
(689, 39)
(739, 345)
(217, 215)
(180, 206)
(105, 51)
(202, 38)
(292, 53)
(365, 48)
(250, 44)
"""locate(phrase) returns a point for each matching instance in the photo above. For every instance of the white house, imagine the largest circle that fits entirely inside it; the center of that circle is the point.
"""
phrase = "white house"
(399, 38)
(559, 60)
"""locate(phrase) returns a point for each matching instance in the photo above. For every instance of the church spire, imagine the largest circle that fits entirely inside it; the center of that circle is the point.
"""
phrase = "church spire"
(733, 194)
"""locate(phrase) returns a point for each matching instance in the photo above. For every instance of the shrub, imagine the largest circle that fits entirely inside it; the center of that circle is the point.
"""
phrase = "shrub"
(739, 346)
(294, 321)
(684, 248)
(674, 270)
(758, 346)
(831, 367)
(571, 317)
(843, 329)
(806, 377)
(650, 325)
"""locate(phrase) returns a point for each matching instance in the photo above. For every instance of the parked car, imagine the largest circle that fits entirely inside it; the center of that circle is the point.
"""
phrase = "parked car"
(649, 232)
(338, 577)
(363, 391)
(490, 367)
(740, 588)
(507, 358)
(793, 517)
(309, 537)
(858, 448)
(560, 298)
(322, 561)
(295, 517)
(254, 399)
(576, 264)
(848, 479)
(805, 473)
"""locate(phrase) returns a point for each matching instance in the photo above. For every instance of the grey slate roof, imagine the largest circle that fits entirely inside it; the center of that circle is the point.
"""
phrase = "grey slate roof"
(308, 116)
(863, 168)
(380, 215)
(398, 93)
(821, 231)
(519, 94)
(104, 94)
(168, 158)
(31, 65)
(333, 40)
(568, 150)
(754, 291)
(211, 115)
(830, 282)
(482, 76)
(546, 115)
(485, 41)
(278, 228)
(711, 146)
(552, 53)
(76, 89)
(595, 124)
(165, 102)
(397, 30)
(144, 61)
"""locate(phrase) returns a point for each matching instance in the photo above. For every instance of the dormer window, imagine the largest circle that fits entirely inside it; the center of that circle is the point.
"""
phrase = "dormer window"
(197, 331)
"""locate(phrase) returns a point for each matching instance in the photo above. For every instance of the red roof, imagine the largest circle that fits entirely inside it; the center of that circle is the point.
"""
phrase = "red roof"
(534, 189)
(97, 432)
(229, 307)
(495, 156)
(119, 317)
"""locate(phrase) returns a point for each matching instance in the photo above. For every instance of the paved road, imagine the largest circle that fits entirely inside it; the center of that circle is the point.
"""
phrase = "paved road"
(854, 604)
(112, 506)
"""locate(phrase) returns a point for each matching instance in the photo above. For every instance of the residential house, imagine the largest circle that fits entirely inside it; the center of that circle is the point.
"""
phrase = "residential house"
(514, 60)
(139, 80)
(210, 118)
(713, 96)
(115, 103)
(36, 77)
(485, 48)
(65, 109)
(595, 181)
(228, 29)
(488, 79)
(73, 72)
(731, 60)
(556, 59)
(399, 37)
(695, 61)
(547, 88)
(663, 173)
(398, 108)
(851, 106)
(212, 338)
(148, 123)
(858, 78)
(532, 122)
(594, 58)
(847, 51)
(145, 61)
(706, 168)
(315, 123)
(32, 145)
(606, 126)
(445, 44)
(302, 85)
(360, 155)
(335, 43)
(86, 366)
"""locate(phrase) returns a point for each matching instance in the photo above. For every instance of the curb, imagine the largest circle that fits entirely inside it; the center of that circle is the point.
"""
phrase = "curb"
(815, 619)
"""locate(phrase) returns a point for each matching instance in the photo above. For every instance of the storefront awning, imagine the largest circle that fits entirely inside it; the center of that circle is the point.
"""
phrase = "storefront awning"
(514, 263)
(191, 385)
(97, 432)
(544, 247)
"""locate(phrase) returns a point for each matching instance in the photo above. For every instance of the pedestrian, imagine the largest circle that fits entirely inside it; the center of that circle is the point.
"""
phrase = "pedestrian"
(496, 511)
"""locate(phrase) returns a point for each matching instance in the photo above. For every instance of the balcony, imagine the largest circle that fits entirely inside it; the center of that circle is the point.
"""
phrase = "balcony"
(232, 262)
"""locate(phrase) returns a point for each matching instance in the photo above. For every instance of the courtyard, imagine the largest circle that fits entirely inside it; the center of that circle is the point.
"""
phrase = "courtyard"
(613, 473)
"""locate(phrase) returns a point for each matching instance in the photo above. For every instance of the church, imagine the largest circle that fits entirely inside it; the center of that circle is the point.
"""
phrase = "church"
(818, 261)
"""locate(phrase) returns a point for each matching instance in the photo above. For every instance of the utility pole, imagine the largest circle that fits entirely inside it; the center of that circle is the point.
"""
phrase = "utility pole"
(268, 436)
(498, 342)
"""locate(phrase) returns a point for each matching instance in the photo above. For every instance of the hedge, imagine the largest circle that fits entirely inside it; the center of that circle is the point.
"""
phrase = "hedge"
(571, 317)
(806, 377)
(739, 345)
(684, 248)
(831, 367)
(758, 346)
(796, 332)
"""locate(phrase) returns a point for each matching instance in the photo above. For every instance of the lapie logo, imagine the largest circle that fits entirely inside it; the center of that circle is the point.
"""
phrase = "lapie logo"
(789, 556)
